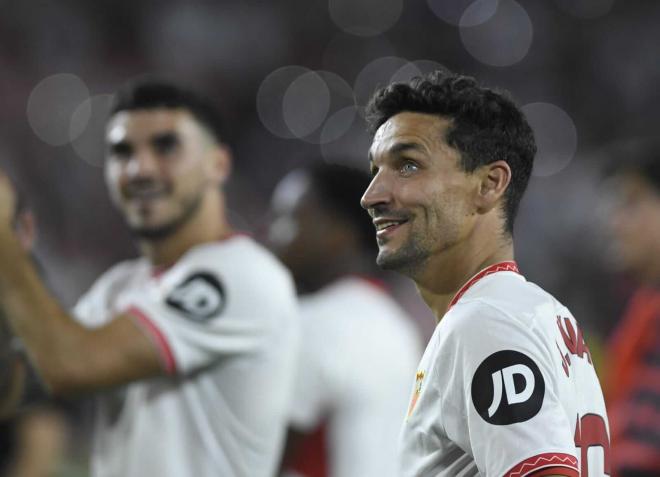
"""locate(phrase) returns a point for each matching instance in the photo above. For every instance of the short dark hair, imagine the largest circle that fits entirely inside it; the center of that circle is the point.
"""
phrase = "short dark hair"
(486, 125)
(150, 93)
(340, 189)
(639, 156)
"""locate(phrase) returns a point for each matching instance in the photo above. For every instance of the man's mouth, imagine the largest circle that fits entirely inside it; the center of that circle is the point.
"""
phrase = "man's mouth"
(386, 226)
(145, 194)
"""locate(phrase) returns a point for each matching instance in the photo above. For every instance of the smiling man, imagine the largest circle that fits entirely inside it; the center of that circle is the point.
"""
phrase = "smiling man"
(506, 386)
(194, 343)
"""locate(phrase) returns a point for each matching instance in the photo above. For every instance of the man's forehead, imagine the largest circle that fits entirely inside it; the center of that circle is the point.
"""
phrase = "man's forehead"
(147, 122)
(410, 128)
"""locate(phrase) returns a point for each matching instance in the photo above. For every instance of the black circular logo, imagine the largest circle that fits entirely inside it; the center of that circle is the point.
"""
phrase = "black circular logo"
(200, 297)
(507, 387)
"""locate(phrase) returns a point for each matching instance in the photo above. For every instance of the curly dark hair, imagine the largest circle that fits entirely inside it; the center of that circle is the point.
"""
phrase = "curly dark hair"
(486, 126)
(154, 93)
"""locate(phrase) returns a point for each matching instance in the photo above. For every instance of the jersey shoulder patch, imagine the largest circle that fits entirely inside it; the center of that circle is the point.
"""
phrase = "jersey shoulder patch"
(199, 297)
(507, 388)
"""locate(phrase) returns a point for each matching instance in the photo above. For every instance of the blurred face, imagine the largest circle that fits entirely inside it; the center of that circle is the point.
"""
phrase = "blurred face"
(159, 165)
(300, 233)
(419, 197)
(635, 226)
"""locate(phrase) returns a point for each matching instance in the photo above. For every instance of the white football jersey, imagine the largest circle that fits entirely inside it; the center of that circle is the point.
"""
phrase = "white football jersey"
(225, 321)
(506, 387)
(357, 354)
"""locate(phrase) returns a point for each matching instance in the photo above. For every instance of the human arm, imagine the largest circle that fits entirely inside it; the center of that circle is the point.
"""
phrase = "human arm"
(68, 357)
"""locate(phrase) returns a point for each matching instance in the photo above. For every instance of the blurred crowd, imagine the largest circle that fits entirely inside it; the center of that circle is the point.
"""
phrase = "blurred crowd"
(291, 78)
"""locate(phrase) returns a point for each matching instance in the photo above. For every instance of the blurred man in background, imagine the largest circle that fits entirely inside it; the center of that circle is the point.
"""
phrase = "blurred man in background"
(194, 343)
(506, 386)
(32, 444)
(633, 367)
(359, 350)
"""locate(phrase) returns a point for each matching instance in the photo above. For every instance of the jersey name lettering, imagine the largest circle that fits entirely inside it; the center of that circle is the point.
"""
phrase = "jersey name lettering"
(574, 342)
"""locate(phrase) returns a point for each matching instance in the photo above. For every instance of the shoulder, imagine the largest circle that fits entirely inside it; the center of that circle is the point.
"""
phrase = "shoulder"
(239, 260)
(502, 304)
(239, 255)
(482, 327)
(105, 287)
(115, 275)
(247, 274)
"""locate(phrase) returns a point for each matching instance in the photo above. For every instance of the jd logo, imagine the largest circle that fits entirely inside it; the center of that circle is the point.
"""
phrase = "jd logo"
(199, 297)
(507, 388)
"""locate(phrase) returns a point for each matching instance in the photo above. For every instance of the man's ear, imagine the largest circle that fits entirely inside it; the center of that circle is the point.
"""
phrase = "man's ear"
(220, 163)
(494, 178)
(26, 229)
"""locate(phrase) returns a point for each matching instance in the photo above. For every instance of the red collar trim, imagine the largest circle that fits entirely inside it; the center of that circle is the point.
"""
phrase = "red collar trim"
(373, 282)
(495, 268)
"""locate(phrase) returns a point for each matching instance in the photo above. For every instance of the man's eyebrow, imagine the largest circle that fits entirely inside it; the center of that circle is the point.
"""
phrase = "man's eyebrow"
(164, 136)
(406, 146)
(400, 147)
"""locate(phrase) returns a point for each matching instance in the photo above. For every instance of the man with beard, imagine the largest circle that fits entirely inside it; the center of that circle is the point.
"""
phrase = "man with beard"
(358, 347)
(193, 344)
(506, 386)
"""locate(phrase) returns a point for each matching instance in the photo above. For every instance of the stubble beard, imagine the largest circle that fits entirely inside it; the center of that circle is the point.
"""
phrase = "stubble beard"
(160, 232)
(408, 260)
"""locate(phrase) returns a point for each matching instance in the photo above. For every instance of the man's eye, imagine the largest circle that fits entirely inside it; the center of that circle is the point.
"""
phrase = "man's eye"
(409, 168)
(120, 150)
(165, 144)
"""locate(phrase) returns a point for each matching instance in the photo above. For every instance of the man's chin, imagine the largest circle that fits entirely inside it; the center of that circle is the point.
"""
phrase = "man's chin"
(400, 261)
(153, 231)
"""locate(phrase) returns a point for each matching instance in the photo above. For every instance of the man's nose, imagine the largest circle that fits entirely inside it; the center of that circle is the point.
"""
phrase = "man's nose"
(142, 164)
(378, 192)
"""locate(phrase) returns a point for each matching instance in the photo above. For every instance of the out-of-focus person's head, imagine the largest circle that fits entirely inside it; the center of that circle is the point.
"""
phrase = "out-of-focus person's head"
(635, 218)
(165, 156)
(443, 148)
(318, 223)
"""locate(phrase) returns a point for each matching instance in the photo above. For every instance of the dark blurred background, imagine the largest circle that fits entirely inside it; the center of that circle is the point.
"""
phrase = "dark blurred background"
(291, 78)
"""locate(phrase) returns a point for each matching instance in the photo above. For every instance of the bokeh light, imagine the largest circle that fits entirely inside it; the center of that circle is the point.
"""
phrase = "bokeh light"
(270, 98)
(338, 124)
(502, 38)
(51, 105)
(366, 17)
(556, 137)
(350, 148)
(376, 74)
(306, 104)
(362, 51)
(450, 11)
(416, 68)
(87, 128)
(341, 98)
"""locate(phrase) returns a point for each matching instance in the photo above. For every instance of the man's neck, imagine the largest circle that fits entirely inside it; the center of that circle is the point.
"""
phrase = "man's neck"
(207, 225)
(446, 273)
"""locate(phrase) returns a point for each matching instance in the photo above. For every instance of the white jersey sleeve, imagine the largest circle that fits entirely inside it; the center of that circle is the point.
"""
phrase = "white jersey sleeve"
(203, 309)
(498, 379)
